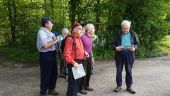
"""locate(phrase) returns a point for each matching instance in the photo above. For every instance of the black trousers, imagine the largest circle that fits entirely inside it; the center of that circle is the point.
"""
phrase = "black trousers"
(63, 67)
(88, 70)
(48, 71)
(73, 84)
(124, 57)
(84, 81)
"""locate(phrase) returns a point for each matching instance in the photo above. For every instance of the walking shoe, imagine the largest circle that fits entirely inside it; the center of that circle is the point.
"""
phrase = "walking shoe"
(117, 89)
(78, 95)
(62, 76)
(53, 92)
(130, 90)
(43, 95)
(88, 88)
(82, 92)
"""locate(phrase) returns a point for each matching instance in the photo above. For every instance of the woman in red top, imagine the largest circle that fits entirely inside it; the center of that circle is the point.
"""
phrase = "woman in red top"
(74, 54)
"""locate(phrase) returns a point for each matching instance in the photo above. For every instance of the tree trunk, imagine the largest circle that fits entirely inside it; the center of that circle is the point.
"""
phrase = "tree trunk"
(52, 9)
(97, 16)
(72, 14)
(12, 19)
(45, 7)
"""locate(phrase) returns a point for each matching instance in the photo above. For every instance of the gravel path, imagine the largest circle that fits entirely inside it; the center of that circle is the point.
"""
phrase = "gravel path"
(151, 78)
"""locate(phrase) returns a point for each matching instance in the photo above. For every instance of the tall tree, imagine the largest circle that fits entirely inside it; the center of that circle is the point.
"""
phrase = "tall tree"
(12, 19)
(72, 8)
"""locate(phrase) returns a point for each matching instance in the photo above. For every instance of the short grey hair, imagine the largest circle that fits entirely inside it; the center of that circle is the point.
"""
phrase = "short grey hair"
(88, 26)
(126, 23)
(65, 30)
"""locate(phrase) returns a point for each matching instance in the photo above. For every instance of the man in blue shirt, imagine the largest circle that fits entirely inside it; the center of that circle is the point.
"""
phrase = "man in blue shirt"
(125, 43)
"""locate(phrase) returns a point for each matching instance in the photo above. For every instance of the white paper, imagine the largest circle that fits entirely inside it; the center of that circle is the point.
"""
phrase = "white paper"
(126, 47)
(78, 72)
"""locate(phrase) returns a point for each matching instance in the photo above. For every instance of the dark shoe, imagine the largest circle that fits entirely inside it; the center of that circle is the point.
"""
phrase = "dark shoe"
(62, 76)
(53, 92)
(78, 95)
(83, 92)
(88, 89)
(42, 95)
(130, 90)
(117, 89)
(65, 73)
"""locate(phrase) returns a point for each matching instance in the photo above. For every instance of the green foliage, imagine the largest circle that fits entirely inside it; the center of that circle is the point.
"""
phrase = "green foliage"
(103, 53)
(164, 45)
(162, 48)
(20, 54)
(148, 20)
(20, 21)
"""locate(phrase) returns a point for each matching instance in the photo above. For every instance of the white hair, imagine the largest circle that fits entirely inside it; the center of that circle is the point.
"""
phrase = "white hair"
(88, 26)
(65, 30)
(126, 23)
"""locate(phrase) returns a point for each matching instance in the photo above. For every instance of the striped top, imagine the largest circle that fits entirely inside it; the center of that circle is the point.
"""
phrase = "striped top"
(44, 37)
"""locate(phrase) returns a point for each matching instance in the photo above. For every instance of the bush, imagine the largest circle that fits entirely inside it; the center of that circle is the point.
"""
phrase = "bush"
(103, 53)
(20, 55)
(164, 45)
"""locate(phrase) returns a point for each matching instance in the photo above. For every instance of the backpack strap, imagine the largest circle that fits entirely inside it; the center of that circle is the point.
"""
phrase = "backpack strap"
(74, 44)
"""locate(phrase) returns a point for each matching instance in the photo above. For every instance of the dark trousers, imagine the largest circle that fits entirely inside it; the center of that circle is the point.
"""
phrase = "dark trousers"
(84, 82)
(61, 63)
(63, 67)
(82, 79)
(73, 84)
(124, 57)
(88, 70)
(48, 71)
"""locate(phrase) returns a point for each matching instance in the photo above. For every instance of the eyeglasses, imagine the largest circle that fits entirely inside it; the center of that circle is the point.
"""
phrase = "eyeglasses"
(79, 28)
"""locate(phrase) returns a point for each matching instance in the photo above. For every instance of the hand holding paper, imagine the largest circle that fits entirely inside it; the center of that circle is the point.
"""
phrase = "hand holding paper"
(78, 72)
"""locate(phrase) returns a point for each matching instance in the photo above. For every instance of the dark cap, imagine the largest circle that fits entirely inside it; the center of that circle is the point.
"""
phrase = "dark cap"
(74, 26)
(45, 20)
